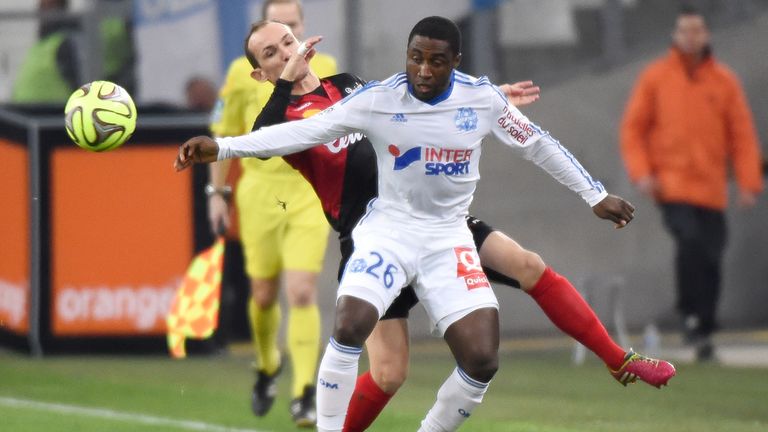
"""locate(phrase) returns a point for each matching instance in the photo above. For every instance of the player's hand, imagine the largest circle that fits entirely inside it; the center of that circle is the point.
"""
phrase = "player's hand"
(218, 214)
(298, 65)
(615, 209)
(200, 149)
(521, 93)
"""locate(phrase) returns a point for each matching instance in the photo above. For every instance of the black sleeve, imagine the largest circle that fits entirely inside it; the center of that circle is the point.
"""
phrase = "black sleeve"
(346, 83)
(274, 111)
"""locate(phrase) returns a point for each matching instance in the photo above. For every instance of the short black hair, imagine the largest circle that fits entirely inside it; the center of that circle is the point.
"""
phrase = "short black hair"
(440, 28)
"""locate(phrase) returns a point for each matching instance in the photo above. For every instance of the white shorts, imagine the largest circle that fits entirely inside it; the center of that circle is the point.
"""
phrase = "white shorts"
(443, 268)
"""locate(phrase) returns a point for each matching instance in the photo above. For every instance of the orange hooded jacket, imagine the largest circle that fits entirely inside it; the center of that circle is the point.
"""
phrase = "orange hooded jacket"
(682, 128)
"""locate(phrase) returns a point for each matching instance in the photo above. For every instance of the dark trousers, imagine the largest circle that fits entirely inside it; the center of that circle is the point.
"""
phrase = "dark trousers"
(700, 238)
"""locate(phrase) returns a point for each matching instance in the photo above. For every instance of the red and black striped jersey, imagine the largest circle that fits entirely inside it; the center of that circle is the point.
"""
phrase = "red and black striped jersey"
(343, 175)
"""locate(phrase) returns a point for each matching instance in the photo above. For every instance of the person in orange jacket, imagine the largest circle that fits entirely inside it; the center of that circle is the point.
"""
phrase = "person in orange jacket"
(685, 120)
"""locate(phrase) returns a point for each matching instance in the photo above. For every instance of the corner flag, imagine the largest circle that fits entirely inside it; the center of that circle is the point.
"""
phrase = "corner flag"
(195, 309)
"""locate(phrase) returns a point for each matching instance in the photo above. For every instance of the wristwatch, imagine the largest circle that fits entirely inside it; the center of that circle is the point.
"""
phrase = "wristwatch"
(211, 190)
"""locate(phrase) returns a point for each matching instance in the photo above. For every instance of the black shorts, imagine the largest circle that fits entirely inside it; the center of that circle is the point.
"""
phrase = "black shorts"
(407, 299)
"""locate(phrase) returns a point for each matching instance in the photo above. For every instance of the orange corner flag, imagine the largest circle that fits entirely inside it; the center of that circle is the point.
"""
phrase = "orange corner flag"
(195, 309)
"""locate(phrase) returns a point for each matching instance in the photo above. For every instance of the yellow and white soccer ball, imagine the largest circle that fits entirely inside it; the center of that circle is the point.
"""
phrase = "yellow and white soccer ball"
(100, 116)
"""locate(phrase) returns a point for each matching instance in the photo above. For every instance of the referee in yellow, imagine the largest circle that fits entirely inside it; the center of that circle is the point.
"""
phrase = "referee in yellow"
(282, 229)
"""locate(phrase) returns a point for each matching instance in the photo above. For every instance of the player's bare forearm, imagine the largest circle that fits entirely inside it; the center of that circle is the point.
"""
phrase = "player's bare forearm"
(200, 149)
(615, 209)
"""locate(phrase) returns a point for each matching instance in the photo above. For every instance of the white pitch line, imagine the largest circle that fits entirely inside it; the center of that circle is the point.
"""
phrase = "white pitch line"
(117, 415)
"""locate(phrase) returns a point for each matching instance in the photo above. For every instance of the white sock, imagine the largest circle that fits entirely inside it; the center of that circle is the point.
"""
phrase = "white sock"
(335, 383)
(456, 399)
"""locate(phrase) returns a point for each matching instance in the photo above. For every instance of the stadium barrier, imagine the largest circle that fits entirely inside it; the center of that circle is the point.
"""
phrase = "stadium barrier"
(93, 245)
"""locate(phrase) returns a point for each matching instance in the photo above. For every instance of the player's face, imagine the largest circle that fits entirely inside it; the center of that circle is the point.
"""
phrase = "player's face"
(288, 14)
(273, 45)
(691, 35)
(429, 66)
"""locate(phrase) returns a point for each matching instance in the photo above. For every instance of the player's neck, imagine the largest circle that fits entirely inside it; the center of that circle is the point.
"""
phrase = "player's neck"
(306, 84)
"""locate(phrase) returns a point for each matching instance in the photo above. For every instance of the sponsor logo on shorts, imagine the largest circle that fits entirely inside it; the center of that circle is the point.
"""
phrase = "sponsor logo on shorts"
(519, 129)
(479, 280)
(469, 268)
(450, 162)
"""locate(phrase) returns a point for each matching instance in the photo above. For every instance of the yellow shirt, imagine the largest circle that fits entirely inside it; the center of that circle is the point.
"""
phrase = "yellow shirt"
(242, 98)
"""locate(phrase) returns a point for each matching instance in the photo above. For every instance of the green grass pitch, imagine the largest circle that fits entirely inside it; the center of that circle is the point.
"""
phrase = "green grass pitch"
(533, 392)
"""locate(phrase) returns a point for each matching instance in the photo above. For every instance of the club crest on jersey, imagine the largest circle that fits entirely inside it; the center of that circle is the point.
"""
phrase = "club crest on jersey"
(468, 267)
(357, 266)
(466, 119)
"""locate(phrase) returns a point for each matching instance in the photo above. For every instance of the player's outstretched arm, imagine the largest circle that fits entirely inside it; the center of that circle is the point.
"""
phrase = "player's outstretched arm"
(200, 149)
(615, 209)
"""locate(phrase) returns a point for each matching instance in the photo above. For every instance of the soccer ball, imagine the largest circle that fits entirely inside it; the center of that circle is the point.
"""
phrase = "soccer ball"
(100, 116)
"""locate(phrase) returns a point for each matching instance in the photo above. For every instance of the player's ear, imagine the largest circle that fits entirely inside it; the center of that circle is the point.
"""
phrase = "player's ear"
(457, 61)
(258, 74)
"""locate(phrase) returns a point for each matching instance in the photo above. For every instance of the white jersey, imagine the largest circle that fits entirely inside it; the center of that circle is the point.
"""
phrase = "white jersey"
(428, 153)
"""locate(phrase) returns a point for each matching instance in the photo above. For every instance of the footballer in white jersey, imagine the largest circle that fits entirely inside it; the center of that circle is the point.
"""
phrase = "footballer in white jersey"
(428, 155)
(426, 127)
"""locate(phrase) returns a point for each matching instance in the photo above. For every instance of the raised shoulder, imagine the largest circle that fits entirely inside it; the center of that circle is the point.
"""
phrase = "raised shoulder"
(391, 84)
(346, 82)
(478, 84)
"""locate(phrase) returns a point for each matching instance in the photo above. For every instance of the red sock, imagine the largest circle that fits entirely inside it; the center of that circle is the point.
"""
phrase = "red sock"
(570, 313)
(367, 402)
